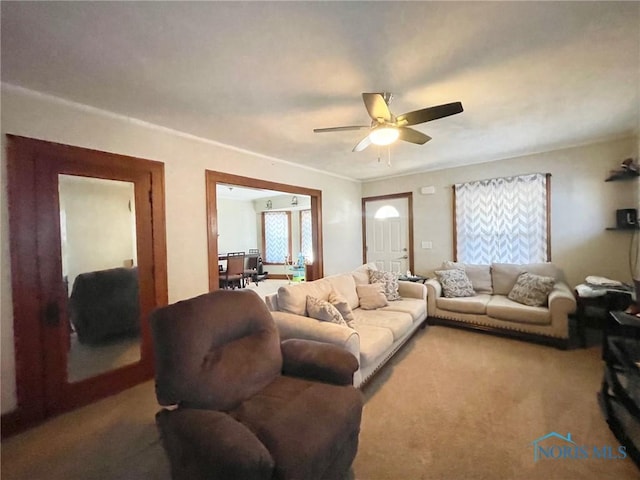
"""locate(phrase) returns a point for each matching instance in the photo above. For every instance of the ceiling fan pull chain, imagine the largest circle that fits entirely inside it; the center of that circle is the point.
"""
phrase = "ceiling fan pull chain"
(378, 153)
(389, 155)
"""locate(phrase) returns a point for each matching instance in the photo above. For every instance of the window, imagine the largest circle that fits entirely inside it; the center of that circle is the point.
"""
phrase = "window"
(503, 220)
(386, 211)
(306, 243)
(276, 236)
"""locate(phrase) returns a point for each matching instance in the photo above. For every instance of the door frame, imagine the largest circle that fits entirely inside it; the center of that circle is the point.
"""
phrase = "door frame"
(29, 302)
(393, 196)
(213, 178)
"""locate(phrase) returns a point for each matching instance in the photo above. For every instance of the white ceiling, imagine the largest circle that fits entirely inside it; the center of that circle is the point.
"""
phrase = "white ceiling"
(234, 192)
(259, 76)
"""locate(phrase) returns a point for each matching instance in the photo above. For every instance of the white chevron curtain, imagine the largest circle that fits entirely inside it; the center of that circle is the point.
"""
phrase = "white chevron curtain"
(502, 220)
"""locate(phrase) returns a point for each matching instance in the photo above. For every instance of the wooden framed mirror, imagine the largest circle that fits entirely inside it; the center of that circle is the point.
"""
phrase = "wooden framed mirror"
(88, 261)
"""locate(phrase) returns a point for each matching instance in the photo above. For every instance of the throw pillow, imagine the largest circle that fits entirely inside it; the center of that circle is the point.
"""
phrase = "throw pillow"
(479, 275)
(390, 282)
(361, 274)
(531, 289)
(371, 296)
(324, 311)
(342, 306)
(455, 283)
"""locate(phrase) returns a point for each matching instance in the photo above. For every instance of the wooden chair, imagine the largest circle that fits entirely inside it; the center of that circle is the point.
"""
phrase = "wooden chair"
(234, 274)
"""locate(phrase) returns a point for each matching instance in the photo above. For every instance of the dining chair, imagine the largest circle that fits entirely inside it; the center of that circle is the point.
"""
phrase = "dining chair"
(253, 269)
(234, 273)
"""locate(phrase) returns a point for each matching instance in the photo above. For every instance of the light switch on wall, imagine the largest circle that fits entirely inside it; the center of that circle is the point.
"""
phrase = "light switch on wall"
(426, 244)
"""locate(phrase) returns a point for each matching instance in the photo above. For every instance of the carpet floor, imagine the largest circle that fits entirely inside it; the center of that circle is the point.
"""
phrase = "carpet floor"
(452, 404)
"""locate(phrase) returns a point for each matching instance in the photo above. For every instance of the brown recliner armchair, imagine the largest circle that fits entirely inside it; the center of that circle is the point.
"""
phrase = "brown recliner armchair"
(248, 406)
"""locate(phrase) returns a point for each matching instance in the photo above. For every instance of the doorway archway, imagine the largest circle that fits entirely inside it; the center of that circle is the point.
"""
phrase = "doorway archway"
(214, 178)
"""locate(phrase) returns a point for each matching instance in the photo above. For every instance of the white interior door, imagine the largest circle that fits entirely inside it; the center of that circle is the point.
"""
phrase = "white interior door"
(387, 234)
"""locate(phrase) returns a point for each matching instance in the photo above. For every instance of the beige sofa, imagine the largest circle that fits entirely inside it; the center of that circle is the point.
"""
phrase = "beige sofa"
(376, 334)
(490, 309)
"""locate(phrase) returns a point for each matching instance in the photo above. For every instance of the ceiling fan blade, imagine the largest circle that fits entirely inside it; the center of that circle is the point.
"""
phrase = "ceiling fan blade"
(413, 136)
(376, 106)
(364, 143)
(430, 113)
(341, 129)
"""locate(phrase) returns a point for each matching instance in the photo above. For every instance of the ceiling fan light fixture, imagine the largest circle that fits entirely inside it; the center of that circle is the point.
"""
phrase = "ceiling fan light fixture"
(384, 135)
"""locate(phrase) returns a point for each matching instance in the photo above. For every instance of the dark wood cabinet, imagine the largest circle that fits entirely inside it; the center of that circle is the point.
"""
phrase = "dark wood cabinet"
(619, 396)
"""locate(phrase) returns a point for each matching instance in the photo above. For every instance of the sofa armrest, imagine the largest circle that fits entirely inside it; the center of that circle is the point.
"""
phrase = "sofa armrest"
(272, 302)
(561, 303)
(291, 325)
(561, 300)
(412, 290)
(318, 361)
(434, 291)
(207, 444)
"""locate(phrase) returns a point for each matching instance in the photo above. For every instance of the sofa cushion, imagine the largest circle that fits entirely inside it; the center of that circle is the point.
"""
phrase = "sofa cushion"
(390, 282)
(531, 289)
(396, 322)
(502, 308)
(374, 341)
(545, 269)
(476, 304)
(455, 283)
(344, 285)
(479, 275)
(371, 296)
(504, 275)
(361, 274)
(279, 418)
(293, 298)
(324, 311)
(416, 307)
(342, 306)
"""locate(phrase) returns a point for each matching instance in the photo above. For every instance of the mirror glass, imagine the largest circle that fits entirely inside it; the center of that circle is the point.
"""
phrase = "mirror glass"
(99, 268)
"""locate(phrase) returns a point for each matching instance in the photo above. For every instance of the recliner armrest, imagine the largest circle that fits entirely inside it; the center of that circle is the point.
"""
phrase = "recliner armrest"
(318, 361)
(207, 444)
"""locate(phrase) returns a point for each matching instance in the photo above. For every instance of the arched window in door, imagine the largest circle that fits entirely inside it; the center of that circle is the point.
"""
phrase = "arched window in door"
(386, 211)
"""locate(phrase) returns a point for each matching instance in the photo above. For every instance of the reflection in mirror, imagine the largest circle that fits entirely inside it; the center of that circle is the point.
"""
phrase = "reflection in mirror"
(99, 268)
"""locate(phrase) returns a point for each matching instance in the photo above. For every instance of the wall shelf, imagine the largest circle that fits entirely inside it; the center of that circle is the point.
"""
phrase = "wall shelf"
(622, 175)
(627, 229)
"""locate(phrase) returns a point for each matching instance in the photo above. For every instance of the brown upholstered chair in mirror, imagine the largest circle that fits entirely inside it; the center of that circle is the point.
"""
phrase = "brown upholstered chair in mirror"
(243, 405)
(233, 276)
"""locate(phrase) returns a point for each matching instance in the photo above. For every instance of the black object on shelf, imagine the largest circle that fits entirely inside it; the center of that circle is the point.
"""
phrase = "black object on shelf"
(622, 175)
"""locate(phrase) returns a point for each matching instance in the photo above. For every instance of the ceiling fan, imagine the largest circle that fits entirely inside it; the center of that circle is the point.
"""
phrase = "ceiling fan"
(386, 128)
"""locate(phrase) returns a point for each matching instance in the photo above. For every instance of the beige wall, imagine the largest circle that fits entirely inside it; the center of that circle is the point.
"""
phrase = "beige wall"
(582, 206)
(237, 230)
(186, 158)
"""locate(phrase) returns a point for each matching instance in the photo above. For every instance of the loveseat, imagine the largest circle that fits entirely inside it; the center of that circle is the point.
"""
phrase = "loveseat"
(372, 335)
(490, 308)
